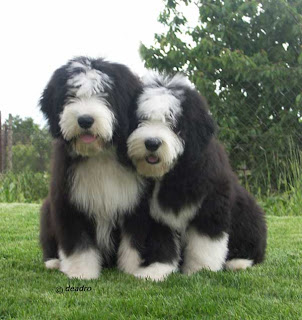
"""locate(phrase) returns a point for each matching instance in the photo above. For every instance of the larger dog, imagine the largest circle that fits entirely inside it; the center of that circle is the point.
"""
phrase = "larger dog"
(88, 104)
(198, 205)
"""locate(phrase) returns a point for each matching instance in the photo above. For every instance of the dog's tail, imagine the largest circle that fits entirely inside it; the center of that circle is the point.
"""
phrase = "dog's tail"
(238, 264)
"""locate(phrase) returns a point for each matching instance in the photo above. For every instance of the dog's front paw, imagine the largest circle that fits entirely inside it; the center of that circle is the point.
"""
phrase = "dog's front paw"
(82, 265)
(52, 264)
(79, 272)
(155, 271)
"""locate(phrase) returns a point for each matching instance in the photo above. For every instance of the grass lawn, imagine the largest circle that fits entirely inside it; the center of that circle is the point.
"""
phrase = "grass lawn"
(28, 291)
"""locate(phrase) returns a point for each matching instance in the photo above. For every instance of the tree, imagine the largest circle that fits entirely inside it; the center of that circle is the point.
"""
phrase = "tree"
(23, 130)
(31, 146)
(41, 141)
(245, 57)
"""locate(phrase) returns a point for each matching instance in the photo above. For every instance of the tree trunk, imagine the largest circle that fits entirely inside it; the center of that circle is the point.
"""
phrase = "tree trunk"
(1, 146)
(10, 144)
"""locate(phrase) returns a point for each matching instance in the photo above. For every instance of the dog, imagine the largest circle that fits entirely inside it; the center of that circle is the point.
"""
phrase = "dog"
(203, 218)
(88, 104)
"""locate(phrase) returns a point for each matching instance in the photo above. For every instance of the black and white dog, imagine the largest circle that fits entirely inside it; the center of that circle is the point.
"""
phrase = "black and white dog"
(202, 217)
(88, 104)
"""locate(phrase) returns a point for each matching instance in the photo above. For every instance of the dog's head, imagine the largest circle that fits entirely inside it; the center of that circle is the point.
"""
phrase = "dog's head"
(172, 121)
(87, 103)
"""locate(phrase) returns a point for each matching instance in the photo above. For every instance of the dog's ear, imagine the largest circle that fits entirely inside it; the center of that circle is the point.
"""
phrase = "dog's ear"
(197, 125)
(52, 100)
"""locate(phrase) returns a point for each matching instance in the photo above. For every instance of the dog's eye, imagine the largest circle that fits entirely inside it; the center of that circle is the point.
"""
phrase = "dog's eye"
(170, 123)
(171, 119)
(143, 118)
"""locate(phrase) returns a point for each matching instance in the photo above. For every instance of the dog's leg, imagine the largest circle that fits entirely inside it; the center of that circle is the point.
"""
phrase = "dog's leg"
(134, 229)
(129, 258)
(162, 253)
(155, 260)
(204, 252)
(74, 231)
(78, 253)
(82, 264)
(148, 249)
(206, 243)
(79, 256)
(47, 238)
(248, 232)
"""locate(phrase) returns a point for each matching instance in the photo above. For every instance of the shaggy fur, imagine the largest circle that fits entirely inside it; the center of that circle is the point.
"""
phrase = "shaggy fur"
(88, 104)
(197, 203)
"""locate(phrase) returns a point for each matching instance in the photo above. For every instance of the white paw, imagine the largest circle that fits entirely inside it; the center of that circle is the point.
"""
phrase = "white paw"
(82, 265)
(80, 273)
(129, 259)
(238, 264)
(156, 271)
(190, 267)
(52, 264)
(203, 252)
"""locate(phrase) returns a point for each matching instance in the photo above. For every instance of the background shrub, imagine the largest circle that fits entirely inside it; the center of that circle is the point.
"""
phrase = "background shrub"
(25, 186)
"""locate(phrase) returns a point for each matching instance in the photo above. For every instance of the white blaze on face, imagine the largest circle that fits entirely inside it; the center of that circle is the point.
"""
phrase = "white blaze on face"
(158, 104)
(89, 81)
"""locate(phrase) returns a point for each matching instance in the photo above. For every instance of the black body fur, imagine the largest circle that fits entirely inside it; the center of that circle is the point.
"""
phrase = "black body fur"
(62, 223)
(202, 173)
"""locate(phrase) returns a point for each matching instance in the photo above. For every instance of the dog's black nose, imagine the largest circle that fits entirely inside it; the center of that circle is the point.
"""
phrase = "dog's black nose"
(152, 144)
(85, 121)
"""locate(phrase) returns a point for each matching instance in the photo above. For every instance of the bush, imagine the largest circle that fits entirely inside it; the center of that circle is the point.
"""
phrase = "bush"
(245, 57)
(288, 197)
(25, 186)
(31, 146)
(24, 158)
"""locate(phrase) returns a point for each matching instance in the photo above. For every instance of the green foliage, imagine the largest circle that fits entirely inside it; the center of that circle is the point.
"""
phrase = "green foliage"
(289, 198)
(31, 146)
(42, 141)
(26, 186)
(29, 180)
(23, 129)
(245, 57)
(24, 157)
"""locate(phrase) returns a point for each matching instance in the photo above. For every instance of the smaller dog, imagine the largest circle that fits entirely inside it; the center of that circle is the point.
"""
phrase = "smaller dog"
(197, 208)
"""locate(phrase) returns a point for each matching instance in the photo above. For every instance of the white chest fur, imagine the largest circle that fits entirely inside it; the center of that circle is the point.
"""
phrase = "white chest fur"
(177, 221)
(104, 189)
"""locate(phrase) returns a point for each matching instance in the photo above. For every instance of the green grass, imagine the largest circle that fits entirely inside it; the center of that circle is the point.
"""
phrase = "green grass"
(28, 291)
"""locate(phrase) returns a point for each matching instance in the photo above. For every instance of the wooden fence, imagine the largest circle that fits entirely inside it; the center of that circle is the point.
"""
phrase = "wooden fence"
(6, 143)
